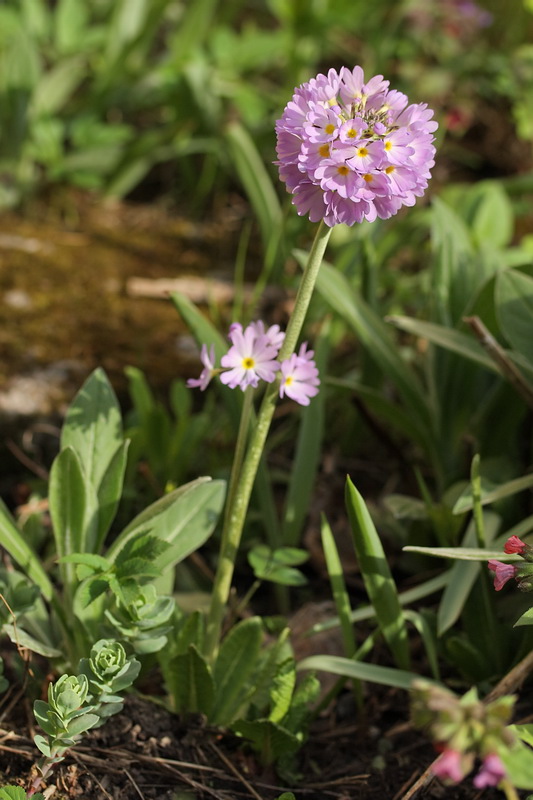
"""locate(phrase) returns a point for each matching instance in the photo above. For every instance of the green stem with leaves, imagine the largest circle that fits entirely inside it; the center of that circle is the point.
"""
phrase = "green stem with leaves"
(240, 498)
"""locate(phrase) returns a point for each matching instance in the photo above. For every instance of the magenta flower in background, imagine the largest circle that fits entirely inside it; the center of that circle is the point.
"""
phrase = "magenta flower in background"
(207, 357)
(502, 573)
(299, 376)
(449, 766)
(251, 358)
(491, 773)
(351, 149)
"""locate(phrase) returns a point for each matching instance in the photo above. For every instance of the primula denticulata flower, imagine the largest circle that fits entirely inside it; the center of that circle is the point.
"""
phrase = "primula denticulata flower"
(351, 149)
(251, 358)
(207, 358)
(299, 379)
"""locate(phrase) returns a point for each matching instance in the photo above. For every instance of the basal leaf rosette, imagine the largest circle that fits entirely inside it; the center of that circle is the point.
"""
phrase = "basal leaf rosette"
(351, 149)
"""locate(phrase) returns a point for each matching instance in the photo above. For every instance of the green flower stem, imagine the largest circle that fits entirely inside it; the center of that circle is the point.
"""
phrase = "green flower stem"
(509, 790)
(240, 498)
(240, 448)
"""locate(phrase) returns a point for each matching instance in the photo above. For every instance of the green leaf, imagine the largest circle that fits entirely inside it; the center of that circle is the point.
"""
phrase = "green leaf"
(463, 576)
(93, 427)
(377, 577)
(455, 273)
(20, 551)
(189, 682)
(17, 792)
(82, 724)
(360, 670)
(375, 337)
(514, 309)
(256, 181)
(448, 338)
(109, 492)
(492, 222)
(71, 17)
(283, 683)
(23, 639)
(491, 493)
(461, 553)
(56, 86)
(235, 663)
(270, 739)
(277, 565)
(72, 508)
(525, 619)
(184, 518)
(307, 454)
(524, 732)
(518, 763)
(338, 587)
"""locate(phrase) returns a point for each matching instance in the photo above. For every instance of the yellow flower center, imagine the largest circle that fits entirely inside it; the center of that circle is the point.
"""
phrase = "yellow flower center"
(330, 127)
(368, 178)
(389, 169)
(288, 380)
(388, 145)
(343, 170)
(362, 151)
(323, 150)
(248, 363)
(351, 134)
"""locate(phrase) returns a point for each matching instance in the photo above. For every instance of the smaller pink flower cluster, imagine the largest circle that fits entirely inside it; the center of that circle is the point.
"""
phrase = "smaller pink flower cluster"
(252, 357)
(453, 766)
(522, 573)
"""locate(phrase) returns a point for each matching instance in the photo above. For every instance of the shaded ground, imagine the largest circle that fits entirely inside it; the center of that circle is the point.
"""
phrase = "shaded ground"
(145, 752)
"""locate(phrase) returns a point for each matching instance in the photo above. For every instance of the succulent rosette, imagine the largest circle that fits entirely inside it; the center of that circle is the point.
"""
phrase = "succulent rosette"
(351, 149)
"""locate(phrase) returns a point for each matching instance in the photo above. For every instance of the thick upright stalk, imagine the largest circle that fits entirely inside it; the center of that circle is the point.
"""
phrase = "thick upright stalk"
(236, 512)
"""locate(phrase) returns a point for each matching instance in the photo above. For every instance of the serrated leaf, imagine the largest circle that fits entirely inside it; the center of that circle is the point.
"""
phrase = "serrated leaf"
(283, 683)
(269, 739)
(190, 683)
(235, 663)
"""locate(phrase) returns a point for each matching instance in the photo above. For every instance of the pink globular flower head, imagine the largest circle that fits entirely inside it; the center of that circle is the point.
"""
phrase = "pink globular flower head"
(492, 772)
(502, 573)
(251, 358)
(207, 358)
(299, 376)
(339, 128)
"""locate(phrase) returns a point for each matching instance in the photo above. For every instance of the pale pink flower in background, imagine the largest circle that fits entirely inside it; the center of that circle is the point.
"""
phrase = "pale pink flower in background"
(207, 357)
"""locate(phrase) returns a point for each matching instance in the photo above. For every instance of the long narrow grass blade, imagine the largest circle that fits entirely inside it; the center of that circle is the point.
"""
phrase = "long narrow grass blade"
(376, 574)
(360, 670)
(338, 586)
